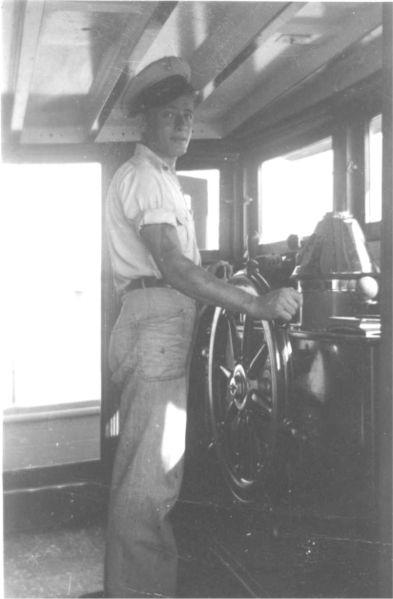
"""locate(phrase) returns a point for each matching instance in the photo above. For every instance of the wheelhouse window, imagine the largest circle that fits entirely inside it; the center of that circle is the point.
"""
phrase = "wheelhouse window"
(295, 191)
(202, 189)
(374, 180)
(51, 214)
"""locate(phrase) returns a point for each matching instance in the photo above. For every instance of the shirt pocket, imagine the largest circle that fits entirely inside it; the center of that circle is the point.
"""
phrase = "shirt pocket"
(182, 227)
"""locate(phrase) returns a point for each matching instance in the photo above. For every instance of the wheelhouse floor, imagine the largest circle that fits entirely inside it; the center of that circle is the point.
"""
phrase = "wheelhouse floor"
(303, 547)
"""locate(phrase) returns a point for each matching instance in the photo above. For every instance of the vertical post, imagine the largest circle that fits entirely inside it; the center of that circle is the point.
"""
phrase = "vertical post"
(355, 170)
(349, 169)
(229, 189)
(340, 169)
(112, 158)
(237, 248)
(384, 407)
(250, 208)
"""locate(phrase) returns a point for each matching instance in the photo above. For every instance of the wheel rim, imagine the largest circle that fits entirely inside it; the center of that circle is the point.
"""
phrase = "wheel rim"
(244, 398)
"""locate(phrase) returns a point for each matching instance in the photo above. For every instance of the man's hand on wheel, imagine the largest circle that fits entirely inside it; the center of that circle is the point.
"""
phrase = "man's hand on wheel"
(278, 304)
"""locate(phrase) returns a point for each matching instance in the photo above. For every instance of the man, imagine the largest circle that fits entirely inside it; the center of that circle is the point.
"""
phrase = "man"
(158, 275)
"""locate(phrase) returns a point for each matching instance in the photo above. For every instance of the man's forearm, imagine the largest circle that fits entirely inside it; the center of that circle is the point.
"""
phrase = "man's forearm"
(192, 280)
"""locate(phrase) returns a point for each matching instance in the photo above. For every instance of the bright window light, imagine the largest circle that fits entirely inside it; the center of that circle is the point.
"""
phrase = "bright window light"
(374, 191)
(295, 192)
(173, 436)
(51, 254)
(203, 187)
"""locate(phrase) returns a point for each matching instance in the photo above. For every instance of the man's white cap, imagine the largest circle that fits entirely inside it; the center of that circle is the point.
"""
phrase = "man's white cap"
(156, 72)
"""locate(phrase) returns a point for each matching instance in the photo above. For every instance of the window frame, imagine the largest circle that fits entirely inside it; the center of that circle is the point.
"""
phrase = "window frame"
(281, 243)
(204, 251)
(289, 141)
(202, 157)
(73, 415)
(56, 155)
(348, 126)
(372, 229)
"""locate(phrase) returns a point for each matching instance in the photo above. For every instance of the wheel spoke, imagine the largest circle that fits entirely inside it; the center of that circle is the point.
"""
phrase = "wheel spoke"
(229, 346)
(247, 449)
(248, 454)
(258, 360)
(230, 437)
(234, 340)
(235, 446)
(261, 444)
(255, 349)
(224, 418)
(227, 373)
(255, 446)
(247, 324)
(228, 414)
(240, 447)
(262, 404)
(238, 444)
(263, 419)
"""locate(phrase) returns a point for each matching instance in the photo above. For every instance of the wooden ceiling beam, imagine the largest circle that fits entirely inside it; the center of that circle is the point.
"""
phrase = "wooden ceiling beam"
(53, 135)
(243, 27)
(360, 63)
(307, 64)
(115, 62)
(96, 6)
(127, 131)
(123, 59)
(12, 41)
(32, 21)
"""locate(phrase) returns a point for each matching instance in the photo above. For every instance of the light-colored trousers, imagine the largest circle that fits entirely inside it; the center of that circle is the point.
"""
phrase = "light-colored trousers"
(149, 356)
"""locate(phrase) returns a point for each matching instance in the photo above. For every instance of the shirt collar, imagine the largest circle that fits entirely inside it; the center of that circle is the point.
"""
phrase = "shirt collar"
(142, 151)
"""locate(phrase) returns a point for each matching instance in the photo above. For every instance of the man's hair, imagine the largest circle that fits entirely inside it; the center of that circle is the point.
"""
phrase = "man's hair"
(161, 93)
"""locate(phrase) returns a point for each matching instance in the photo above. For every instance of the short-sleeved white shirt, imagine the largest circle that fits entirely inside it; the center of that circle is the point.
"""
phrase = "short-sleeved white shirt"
(145, 190)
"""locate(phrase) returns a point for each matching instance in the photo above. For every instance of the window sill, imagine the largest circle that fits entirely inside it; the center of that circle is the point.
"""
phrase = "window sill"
(30, 413)
(51, 435)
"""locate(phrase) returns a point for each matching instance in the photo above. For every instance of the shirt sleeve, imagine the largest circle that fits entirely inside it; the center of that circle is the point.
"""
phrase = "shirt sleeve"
(145, 200)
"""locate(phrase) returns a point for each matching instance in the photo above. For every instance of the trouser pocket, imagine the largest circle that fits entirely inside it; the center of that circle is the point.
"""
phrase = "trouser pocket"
(123, 352)
(164, 346)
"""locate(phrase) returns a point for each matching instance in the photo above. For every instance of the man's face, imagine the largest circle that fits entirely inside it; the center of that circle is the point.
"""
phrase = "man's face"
(168, 128)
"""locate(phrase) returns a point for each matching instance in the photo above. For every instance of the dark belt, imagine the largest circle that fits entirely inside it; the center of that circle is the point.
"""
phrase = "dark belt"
(145, 282)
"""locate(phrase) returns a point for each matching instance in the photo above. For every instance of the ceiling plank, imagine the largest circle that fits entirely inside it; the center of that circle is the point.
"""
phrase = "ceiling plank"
(253, 28)
(96, 6)
(310, 63)
(128, 131)
(115, 61)
(29, 44)
(363, 61)
(53, 135)
(105, 108)
(12, 30)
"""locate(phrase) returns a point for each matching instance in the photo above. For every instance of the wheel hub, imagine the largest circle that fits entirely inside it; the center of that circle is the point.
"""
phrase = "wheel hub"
(238, 386)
